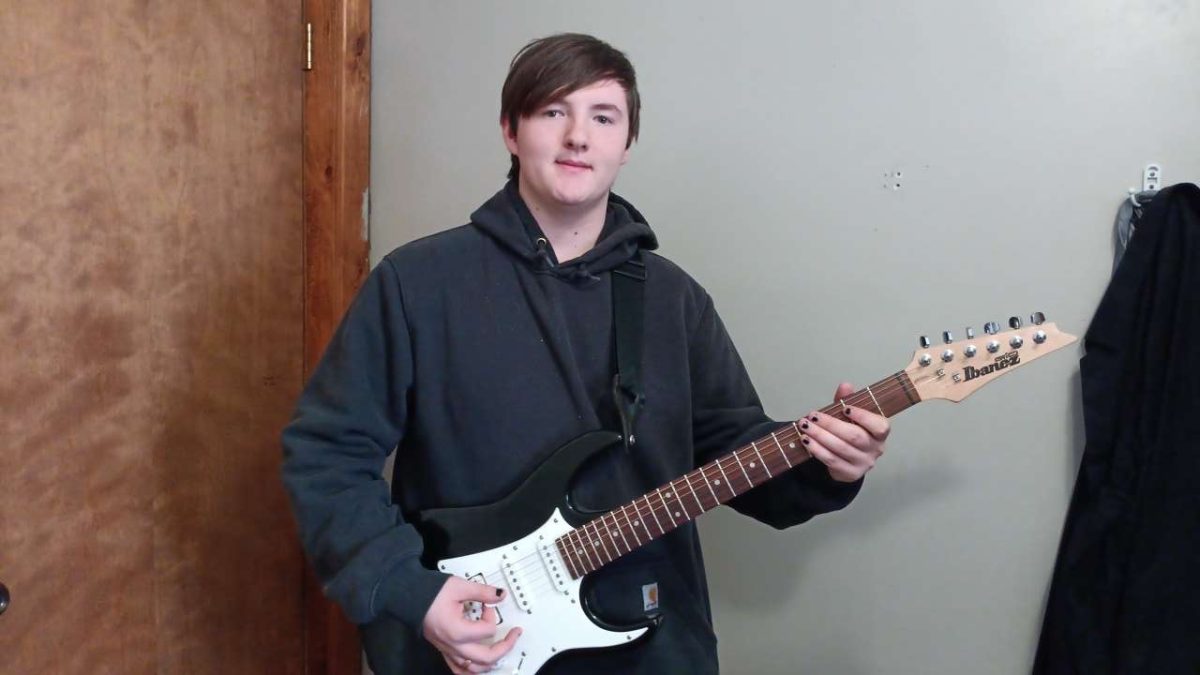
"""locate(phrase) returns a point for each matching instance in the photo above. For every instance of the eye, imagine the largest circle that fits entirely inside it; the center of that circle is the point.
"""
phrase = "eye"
(552, 112)
(604, 119)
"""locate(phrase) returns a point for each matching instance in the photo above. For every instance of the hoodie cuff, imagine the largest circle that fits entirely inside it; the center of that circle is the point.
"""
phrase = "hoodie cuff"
(407, 591)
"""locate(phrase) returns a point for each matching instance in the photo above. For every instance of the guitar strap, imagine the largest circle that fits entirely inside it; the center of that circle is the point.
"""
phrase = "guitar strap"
(628, 290)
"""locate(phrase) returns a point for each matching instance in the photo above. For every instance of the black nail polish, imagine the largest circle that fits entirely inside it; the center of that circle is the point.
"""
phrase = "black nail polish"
(813, 418)
(804, 441)
(804, 426)
(499, 592)
(846, 411)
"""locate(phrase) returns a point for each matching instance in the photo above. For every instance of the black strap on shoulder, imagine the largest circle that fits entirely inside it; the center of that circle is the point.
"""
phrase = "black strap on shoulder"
(628, 290)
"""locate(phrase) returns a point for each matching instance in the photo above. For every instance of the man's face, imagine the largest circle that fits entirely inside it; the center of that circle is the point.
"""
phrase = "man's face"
(572, 149)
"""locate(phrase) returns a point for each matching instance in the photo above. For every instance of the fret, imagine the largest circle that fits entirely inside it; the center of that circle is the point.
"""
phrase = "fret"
(749, 483)
(694, 495)
(565, 553)
(667, 507)
(633, 524)
(583, 549)
(616, 526)
(781, 451)
(602, 525)
(661, 530)
(877, 406)
(704, 475)
(679, 501)
(596, 542)
(760, 458)
(906, 387)
(732, 492)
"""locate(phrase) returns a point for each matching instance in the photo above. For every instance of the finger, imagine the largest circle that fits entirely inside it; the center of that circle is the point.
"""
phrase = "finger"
(490, 616)
(464, 591)
(453, 664)
(843, 391)
(838, 468)
(489, 654)
(465, 665)
(467, 631)
(849, 441)
(851, 458)
(878, 426)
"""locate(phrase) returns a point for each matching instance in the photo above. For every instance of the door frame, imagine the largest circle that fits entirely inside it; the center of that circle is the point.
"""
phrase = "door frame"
(336, 177)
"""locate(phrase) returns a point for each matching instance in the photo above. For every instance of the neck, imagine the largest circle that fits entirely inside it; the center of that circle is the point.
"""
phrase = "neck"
(571, 231)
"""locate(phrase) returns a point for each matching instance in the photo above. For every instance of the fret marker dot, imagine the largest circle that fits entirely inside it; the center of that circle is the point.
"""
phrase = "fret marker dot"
(596, 543)
(791, 446)
(637, 523)
(751, 465)
(717, 482)
(676, 514)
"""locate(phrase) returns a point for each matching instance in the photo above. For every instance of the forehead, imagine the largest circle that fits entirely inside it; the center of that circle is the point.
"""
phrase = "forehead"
(607, 93)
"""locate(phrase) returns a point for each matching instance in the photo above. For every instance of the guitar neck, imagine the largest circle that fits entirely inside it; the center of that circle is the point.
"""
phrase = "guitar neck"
(635, 524)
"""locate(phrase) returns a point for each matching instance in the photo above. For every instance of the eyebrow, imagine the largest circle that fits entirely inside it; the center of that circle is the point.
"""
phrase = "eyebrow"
(607, 107)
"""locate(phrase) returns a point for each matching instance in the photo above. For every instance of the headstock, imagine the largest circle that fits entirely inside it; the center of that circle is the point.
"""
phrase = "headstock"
(955, 369)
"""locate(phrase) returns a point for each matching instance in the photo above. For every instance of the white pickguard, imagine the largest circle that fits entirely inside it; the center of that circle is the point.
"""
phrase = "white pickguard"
(540, 597)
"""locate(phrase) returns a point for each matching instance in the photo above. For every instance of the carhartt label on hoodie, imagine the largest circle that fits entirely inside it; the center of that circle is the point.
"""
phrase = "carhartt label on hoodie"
(650, 596)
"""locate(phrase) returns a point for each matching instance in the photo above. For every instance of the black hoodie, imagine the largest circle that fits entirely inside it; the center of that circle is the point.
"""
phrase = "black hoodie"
(475, 355)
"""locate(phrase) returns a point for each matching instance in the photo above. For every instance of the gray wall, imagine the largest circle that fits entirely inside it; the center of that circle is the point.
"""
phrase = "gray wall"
(771, 136)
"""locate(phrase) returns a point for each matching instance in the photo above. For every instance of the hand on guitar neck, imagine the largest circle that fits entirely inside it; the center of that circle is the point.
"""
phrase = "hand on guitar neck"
(849, 446)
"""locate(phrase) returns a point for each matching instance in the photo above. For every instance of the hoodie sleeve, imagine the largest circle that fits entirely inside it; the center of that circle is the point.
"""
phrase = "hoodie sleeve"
(350, 416)
(726, 414)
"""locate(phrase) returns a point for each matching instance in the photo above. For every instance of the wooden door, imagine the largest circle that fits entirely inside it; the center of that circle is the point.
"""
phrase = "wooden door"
(151, 316)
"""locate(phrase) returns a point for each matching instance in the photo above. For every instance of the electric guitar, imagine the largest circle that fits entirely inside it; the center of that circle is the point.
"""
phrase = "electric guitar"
(535, 545)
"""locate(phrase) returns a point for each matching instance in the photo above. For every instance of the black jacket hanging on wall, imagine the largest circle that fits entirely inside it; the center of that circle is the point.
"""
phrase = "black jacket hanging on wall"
(1125, 596)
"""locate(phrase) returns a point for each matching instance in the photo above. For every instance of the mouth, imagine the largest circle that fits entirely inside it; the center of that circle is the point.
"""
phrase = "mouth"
(571, 164)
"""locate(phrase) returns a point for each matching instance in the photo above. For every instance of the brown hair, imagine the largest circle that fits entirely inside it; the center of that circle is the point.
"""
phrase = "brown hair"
(550, 68)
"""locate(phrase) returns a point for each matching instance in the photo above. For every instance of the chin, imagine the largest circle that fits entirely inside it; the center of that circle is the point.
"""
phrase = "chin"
(576, 199)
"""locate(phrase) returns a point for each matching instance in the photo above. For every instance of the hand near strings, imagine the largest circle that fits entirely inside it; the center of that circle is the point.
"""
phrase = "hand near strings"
(849, 442)
(465, 643)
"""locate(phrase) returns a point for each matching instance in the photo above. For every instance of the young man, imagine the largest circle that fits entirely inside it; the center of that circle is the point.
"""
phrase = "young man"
(478, 351)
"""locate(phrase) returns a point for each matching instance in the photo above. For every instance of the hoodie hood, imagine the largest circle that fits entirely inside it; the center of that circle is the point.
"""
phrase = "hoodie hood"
(506, 218)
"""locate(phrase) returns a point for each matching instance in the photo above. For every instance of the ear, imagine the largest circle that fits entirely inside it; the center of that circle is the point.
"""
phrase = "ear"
(625, 157)
(510, 139)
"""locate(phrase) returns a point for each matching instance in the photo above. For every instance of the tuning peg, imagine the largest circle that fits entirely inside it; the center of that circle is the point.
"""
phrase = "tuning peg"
(1014, 322)
(991, 328)
(970, 333)
(1037, 318)
(925, 342)
(947, 337)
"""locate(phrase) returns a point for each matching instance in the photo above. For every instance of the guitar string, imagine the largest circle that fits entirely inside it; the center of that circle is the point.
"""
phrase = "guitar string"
(888, 387)
(523, 565)
(594, 560)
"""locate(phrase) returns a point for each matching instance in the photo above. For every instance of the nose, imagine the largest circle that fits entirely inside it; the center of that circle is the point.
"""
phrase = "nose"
(576, 138)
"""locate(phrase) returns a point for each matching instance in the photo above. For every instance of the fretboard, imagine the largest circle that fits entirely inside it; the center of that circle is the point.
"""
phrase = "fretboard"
(616, 533)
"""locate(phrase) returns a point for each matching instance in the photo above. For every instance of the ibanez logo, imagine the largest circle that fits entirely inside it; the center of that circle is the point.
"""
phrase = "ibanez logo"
(1003, 361)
